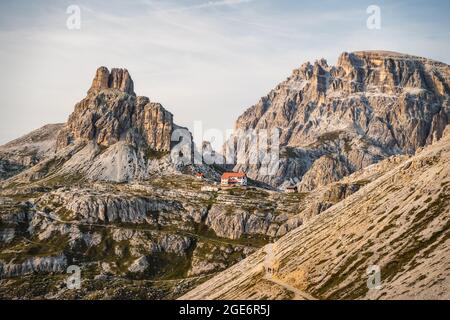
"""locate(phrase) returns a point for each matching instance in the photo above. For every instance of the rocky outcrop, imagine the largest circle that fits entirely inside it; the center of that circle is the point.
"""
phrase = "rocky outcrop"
(174, 244)
(323, 171)
(111, 113)
(139, 265)
(370, 106)
(25, 152)
(141, 243)
(90, 207)
(227, 224)
(117, 79)
(107, 117)
(234, 222)
(331, 195)
(56, 264)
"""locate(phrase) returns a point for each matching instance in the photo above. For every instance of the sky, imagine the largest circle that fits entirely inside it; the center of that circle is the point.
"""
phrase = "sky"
(202, 60)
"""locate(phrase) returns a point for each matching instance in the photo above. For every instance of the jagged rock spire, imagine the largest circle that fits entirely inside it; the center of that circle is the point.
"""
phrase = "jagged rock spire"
(118, 79)
(136, 120)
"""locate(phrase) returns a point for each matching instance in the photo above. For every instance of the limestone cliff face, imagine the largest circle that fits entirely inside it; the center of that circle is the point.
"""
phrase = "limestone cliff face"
(118, 79)
(371, 105)
(111, 113)
(326, 168)
(34, 265)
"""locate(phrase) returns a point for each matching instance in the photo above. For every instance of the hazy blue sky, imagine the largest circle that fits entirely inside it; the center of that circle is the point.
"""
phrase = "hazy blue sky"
(203, 60)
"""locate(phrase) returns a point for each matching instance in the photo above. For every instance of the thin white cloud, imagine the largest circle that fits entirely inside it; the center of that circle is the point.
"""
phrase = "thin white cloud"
(170, 7)
(205, 5)
(221, 3)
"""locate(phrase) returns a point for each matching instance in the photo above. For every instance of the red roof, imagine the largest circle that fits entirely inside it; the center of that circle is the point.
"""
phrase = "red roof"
(228, 175)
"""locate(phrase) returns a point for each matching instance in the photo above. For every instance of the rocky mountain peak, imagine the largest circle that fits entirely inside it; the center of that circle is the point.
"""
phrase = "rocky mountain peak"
(112, 135)
(116, 135)
(392, 72)
(370, 105)
(107, 116)
(117, 79)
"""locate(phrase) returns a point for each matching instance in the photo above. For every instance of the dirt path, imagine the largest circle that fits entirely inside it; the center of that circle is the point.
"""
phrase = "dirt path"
(270, 263)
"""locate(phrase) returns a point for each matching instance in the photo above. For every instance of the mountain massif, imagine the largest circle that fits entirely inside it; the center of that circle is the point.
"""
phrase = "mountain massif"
(366, 142)
(335, 120)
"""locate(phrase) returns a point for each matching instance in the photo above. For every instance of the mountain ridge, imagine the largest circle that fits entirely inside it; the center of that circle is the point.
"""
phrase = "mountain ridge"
(368, 107)
(398, 222)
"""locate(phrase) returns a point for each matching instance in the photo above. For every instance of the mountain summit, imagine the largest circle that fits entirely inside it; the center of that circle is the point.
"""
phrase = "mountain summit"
(112, 113)
(338, 119)
(112, 135)
(118, 79)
